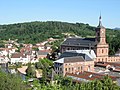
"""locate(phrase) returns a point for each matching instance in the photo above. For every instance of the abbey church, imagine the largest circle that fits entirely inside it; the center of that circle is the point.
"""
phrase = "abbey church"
(98, 44)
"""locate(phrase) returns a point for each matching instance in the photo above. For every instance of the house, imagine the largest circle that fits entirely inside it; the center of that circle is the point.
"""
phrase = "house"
(4, 59)
(74, 61)
(19, 57)
(43, 54)
(7, 51)
(44, 47)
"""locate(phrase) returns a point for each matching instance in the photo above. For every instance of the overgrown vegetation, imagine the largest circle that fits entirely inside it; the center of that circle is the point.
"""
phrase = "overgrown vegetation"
(67, 83)
(11, 82)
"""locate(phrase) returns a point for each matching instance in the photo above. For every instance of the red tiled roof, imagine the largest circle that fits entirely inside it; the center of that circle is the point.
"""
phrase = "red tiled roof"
(114, 63)
(102, 64)
(18, 55)
(7, 49)
(90, 76)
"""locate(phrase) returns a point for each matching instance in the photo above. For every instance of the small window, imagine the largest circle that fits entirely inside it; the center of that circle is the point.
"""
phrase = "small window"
(72, 69)
(102, 59)
(69, 69)
(102, 51)
(68, 49)
(65, 69)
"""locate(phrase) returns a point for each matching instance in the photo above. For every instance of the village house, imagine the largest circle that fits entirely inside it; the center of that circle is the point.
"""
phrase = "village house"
(75, 61)
(4, 59)
(42, 54)
(7, 51)
(19, 57)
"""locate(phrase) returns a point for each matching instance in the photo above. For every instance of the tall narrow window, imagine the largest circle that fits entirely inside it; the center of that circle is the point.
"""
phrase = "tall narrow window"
(102, 50)
(65, 69)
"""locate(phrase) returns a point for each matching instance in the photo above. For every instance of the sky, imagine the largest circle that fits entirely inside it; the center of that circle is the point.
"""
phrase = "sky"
(81, 11)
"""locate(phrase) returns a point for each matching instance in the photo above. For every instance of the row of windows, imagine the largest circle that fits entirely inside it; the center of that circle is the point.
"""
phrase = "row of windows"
(103, 50)
(107, 60)
(73, 63)
(67, 48)
(58, 69)
(59, 72)
(72, 69)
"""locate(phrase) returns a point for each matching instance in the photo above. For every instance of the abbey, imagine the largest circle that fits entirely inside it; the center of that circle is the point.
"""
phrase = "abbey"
(98, 44)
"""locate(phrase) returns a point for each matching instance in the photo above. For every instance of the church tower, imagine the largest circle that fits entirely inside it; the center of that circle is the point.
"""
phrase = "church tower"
(102, 46)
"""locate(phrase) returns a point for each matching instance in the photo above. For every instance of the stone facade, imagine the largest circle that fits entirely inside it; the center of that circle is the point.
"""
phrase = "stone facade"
(73, 67)
(78, 67)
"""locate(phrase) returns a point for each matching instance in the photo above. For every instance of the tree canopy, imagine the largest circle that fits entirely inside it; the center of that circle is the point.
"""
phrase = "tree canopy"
(11, 82)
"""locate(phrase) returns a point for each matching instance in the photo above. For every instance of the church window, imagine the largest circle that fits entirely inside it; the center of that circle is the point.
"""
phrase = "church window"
(81, 68)
(102, 59)
(102, 51)
(106, 59)
(98, 60)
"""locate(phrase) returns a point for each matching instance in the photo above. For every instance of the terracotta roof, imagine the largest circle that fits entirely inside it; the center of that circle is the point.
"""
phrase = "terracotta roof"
(73, 59)
(117, 70)
(114, 63)
(18, 55)
(7, 49)
(89, 76)
(101, 64)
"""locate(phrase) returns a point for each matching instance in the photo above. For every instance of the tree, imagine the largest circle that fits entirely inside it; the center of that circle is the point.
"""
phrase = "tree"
(31, 71)
(11, 82)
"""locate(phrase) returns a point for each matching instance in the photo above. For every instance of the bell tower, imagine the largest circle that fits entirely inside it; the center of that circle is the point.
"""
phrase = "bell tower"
(100, 33)
(102, 46)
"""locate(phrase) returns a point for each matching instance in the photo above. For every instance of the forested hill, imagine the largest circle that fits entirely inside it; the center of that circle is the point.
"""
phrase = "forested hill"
(33, 32)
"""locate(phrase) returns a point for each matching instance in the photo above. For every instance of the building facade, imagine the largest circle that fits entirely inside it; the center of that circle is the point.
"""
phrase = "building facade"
(75, 61)
(98, 44)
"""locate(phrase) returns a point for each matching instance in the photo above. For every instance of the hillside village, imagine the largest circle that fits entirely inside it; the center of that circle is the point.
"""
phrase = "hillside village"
(82, 59)
(27, 53)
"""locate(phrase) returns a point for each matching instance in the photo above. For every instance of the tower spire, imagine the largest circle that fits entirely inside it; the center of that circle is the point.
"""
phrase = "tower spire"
(100, 21)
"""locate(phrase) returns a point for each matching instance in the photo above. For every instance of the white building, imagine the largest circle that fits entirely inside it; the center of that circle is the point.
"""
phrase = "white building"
(19, 57)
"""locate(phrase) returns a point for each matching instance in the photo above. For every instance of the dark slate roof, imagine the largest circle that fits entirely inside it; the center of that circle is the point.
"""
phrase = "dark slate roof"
(75, 54)
(85, 42)
(71, 54)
